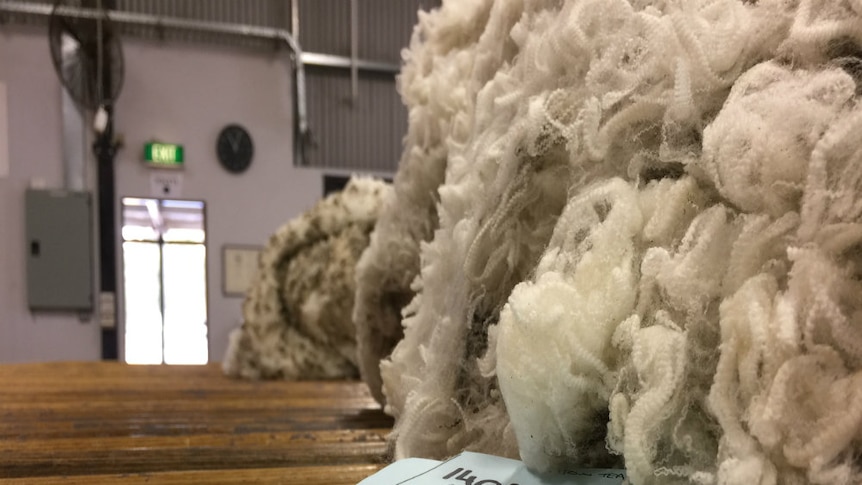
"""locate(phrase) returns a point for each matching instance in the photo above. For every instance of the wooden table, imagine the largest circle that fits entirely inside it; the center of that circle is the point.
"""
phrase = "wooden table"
(98, 423)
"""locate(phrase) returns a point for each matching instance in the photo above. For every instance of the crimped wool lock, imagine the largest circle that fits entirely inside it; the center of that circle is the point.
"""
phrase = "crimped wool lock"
(635, 238)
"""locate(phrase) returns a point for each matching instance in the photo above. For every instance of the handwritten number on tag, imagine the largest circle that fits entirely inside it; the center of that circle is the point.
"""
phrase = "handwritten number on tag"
(453, 473)
(466, 477)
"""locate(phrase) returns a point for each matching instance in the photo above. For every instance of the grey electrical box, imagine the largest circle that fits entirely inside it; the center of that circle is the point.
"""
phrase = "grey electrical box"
(59, 249)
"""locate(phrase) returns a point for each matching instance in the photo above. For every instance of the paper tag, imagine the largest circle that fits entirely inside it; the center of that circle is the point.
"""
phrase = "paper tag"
(166, 184)
(479, 469)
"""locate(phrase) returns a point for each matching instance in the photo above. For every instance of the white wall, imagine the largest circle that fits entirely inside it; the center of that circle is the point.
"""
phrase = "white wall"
(35, 140)
(174, 93)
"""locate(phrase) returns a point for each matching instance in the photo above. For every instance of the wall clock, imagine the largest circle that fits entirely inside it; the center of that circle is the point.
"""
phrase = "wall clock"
(234, 148)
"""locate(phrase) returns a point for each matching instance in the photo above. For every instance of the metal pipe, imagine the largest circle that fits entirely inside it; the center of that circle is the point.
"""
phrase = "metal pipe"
(74, 143)
(301, 113)
(329, 60)
(301, 58)
(259, 32)
(294, 19)
(132, 18)
(354, 50)
(142, 19)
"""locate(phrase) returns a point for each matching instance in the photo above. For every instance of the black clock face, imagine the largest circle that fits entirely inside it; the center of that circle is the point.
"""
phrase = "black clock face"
(234, 148)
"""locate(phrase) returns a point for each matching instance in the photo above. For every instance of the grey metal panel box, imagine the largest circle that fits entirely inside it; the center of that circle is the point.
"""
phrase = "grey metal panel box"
(59, 250)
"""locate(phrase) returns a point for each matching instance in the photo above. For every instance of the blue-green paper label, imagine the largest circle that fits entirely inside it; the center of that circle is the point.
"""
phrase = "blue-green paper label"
(479, 469)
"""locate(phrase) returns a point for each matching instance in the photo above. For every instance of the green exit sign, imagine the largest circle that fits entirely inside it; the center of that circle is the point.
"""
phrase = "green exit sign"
(164, 155)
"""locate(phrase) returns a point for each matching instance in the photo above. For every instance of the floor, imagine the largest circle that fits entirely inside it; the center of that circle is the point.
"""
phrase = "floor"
(113, 423)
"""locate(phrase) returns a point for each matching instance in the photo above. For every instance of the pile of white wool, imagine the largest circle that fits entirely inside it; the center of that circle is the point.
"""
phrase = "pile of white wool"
(636, 234)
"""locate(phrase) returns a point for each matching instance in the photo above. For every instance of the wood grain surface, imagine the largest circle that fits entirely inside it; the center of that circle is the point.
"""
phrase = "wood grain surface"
(101, 422)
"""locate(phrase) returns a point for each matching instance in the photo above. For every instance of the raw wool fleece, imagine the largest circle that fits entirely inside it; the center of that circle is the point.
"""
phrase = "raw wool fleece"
(648, 243)
(409, 214)
(297, 313)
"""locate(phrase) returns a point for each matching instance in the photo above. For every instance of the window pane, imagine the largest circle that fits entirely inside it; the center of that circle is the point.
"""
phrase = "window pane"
(185, 304)
(184, 235)
(143, 339)
(139, 233)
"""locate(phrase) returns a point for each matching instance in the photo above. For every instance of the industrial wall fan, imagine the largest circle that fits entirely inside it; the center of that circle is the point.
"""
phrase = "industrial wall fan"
(86, 52)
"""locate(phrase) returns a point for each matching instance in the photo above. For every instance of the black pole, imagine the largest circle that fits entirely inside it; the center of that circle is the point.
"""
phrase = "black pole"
(105, 150)
(162, 285)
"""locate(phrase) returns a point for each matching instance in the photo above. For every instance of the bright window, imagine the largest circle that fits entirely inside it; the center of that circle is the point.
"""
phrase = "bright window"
(164, 261)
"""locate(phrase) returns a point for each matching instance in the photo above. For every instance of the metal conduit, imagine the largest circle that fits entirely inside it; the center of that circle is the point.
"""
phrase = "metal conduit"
(267, 33)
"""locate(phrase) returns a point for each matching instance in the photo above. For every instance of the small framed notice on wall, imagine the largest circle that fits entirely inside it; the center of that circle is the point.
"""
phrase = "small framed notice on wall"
(239, 268)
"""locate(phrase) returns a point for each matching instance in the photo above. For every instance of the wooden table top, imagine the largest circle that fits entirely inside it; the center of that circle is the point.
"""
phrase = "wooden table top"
(101, 422)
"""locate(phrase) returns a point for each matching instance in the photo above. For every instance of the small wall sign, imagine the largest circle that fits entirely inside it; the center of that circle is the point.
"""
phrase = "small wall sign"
(239, 268)
(165, 184)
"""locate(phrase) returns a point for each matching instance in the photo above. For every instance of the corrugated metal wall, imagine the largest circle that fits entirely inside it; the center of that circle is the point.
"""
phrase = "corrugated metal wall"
(384, 26)
(362, 136)
(365, 135)
(265, 13)
(269, 13)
